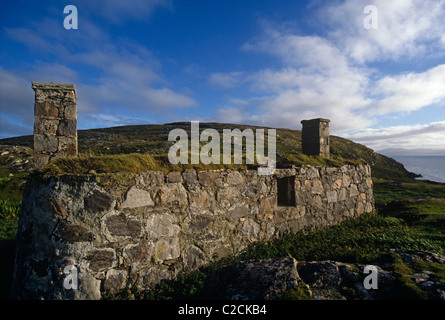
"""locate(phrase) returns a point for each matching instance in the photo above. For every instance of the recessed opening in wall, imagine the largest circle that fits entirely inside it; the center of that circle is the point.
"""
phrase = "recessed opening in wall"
(286, 191)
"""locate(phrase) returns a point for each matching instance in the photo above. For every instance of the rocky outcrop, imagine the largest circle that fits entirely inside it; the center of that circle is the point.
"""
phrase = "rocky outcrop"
(254, 280)
(16, 159)
(287, 278)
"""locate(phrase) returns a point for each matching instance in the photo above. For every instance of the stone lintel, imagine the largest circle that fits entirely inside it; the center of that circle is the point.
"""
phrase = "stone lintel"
(52, 86)
(317, 120)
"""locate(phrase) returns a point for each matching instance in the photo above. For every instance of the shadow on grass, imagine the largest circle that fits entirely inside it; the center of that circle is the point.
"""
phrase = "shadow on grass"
(7, 252)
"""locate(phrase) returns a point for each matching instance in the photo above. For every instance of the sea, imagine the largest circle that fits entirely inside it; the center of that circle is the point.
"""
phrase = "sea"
(430, 167)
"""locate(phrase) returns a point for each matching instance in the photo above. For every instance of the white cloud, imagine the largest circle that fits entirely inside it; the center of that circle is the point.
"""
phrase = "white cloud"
(317, 80)
(411, 91)
(430, 135)
(313, 52)
(166, 98)
(232, 115)
(329, 75)
(406, 29)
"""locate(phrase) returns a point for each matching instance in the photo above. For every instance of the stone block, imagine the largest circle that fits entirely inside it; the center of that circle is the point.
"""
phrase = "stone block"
(343, 194)
(98, 201)
(136, 198)
(70, 96)
(369, 207)
(200, 222)
(201, 200)
(45, 143)
(40, 160)
(46, 110)
(268, 204)
(172, 193)
(313, 173)
(161, 225)
(238, 211)
(193, 258)
(45, 126)
(251, 229)
(346, 180)
(174, 177)
(67, 128)
(353, 191)
(189, 176)
(207, 178)
(70, 112)
(331, 196)
(100, 259)
(115, 280)
(137, 254)
(317, 187)
(235, 178)
(151, 178)
(123, 226)
(337, 184)
(72, 233)
(167, 249)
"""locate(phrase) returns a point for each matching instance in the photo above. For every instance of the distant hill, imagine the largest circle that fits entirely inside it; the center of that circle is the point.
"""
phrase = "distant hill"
(153, 139)
(394, 152)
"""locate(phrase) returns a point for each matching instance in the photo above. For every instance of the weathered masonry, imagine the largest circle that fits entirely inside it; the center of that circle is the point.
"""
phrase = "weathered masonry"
(55, 124)
(137, 229)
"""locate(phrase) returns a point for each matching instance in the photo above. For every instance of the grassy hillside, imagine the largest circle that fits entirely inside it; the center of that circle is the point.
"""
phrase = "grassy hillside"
(153, 140)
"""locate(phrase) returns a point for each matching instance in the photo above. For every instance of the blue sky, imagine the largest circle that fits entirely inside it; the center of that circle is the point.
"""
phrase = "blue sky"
(268, 63)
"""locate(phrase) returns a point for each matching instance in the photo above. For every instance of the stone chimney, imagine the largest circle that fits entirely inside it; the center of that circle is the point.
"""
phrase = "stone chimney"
(55, 122)
(315, 137)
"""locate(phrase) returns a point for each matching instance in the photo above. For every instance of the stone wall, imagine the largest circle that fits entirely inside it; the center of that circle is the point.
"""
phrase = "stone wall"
(136, 229)
(55, 124)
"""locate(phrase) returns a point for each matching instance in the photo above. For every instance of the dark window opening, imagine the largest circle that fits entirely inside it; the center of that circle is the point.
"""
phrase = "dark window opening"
(286, 191)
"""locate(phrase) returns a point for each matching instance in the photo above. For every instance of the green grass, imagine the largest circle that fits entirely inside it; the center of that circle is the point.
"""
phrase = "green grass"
(9, 209)
(437, 268)
(137, 162)
(118, 163)
(11, 188)
(386, 191)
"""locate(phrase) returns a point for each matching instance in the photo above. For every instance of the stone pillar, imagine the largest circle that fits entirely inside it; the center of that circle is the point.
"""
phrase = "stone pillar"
(315, 137)
(55, 122)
